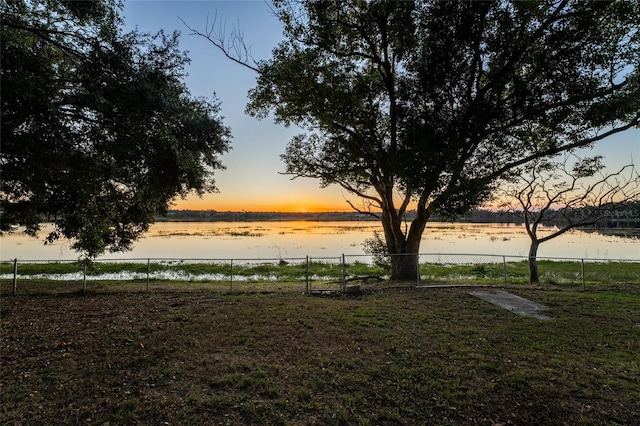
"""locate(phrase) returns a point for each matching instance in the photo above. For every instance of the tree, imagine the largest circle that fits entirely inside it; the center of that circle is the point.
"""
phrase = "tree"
(423, 105)
(567, 194)
(99, 133)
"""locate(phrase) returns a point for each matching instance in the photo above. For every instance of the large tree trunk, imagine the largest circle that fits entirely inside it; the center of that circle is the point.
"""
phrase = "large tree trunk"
(534, 278)
(403, 248)
(404, 267)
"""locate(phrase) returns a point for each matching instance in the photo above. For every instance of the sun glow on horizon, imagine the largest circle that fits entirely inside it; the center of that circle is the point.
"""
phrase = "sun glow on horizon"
(276, 207)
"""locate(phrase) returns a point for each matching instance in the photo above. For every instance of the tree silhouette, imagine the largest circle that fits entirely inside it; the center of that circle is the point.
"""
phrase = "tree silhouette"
(424, 105)
(99, 133)
(568, 193)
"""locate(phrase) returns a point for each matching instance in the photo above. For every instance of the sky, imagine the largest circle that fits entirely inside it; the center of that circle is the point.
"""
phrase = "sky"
(252, 180)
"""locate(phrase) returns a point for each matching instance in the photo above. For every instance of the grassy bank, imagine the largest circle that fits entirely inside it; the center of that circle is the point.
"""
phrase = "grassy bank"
(390, 356)
(291, 275)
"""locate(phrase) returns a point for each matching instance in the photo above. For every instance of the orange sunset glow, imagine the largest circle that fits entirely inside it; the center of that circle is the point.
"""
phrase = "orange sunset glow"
(259, 205)
(270, 192)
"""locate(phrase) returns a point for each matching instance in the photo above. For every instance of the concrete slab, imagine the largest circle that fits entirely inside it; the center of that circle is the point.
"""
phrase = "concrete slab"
(516, 304)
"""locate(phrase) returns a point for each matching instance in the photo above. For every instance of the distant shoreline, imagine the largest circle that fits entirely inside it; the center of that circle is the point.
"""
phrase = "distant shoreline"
(232, 216)
(609, 226)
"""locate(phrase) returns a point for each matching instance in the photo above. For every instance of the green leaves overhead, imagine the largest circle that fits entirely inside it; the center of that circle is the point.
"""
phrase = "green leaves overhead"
(99, 133)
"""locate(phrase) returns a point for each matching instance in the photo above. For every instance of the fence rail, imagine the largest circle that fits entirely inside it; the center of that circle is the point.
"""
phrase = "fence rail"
(304, 273)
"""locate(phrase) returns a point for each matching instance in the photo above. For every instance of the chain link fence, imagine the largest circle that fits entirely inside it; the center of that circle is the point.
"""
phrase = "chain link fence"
(306, 274)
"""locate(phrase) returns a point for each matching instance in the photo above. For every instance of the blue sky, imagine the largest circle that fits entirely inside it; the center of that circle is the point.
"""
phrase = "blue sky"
(252, 180)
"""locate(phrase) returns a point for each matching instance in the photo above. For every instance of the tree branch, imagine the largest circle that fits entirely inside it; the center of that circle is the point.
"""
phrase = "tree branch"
(567, 147)
(218, 40)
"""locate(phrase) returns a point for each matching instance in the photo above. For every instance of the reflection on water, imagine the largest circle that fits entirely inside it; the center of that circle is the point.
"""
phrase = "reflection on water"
(251, 240)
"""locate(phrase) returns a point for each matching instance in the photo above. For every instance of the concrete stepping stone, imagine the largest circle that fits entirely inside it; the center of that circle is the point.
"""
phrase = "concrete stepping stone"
(516, 304)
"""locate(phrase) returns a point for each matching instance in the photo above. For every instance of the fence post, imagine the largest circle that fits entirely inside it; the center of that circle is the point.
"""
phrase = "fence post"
(504, 263)
(148, 272)
(15, 277)
(417, 269)
(582, 273)
(231, 278)
(306, 274)
(343, 281)
(84, 278)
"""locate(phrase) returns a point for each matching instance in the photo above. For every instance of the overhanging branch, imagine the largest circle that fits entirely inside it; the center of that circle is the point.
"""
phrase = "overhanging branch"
(553, 151)
(218, 41)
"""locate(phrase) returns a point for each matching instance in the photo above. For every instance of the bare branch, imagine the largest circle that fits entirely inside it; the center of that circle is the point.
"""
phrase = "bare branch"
(367, 212)
(233, 47)
(574, 199)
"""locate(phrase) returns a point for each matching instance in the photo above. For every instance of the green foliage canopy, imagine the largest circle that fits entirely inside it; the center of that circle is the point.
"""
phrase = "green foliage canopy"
(99, 133)
(425, 104)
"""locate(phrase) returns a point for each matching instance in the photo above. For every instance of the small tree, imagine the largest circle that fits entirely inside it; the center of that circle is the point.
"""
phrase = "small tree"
(377, 249)
(568, 193)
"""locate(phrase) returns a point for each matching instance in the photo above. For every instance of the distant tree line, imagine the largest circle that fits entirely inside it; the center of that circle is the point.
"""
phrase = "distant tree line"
(248, 216)
(626, 215)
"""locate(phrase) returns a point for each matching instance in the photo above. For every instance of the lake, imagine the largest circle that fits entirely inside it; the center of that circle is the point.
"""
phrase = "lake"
(273, 240)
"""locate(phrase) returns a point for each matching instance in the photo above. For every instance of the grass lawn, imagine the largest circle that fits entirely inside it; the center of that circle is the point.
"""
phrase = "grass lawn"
(390, 356)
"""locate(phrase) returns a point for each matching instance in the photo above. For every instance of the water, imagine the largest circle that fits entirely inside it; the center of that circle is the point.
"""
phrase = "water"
(273, 240)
